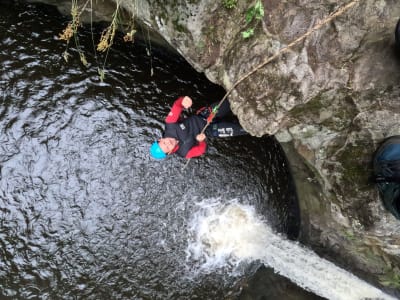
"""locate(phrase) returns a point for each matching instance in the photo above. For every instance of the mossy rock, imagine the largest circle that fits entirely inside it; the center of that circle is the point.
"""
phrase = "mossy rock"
(356, 168)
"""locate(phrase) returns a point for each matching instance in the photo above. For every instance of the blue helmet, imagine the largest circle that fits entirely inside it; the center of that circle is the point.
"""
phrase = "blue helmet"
(156, 151)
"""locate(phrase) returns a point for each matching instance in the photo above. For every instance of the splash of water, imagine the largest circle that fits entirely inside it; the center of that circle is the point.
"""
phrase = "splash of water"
(233, 233)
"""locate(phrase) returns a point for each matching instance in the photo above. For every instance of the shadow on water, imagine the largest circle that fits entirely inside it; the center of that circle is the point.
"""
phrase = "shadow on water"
(84, 212)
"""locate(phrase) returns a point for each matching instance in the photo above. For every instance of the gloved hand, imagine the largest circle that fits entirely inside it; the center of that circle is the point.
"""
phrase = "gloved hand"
(187, 102)
(200, 137)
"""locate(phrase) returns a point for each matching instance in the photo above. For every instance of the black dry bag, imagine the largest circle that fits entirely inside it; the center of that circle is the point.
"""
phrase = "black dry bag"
(387, 173)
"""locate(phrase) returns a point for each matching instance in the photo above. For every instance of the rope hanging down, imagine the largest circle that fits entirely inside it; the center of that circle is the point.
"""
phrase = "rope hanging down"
(316, 27)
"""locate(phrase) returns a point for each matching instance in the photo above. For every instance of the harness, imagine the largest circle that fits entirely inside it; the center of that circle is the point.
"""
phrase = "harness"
(207, 113)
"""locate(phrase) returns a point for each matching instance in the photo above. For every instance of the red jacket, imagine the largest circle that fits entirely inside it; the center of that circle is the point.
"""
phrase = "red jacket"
(173, 117)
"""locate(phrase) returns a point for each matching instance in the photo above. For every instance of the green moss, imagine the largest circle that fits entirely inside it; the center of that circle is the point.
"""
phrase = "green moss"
(200, 45)
(340, 105)
(350, 235)
(229, 4)
(391, 278)
(355, 169)
(342, 116)
(210, 34)
(164, 15)
(311, 107)
(179, 27)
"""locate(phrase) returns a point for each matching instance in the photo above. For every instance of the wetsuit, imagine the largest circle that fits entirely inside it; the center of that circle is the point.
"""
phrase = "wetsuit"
(185, 130)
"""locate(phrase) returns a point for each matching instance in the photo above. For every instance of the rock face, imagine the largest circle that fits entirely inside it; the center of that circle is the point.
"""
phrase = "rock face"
(330, 100)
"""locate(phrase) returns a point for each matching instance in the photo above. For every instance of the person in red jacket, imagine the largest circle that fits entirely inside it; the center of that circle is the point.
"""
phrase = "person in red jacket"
(184, 137)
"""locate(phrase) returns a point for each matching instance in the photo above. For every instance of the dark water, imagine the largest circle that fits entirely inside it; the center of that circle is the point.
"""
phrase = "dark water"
(84, 212)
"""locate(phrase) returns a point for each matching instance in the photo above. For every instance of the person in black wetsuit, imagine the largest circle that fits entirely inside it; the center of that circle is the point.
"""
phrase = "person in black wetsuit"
(184, 137)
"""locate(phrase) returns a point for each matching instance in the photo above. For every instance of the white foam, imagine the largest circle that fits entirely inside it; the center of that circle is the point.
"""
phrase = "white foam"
(233, 233)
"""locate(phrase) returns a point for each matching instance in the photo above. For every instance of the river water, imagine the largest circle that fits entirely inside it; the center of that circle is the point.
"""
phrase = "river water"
(85, 213)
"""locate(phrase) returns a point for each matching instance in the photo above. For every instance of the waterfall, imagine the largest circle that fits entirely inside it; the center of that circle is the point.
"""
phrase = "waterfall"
(233, 233)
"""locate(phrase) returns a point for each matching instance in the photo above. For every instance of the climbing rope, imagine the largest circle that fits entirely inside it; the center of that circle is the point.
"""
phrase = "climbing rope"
(316, 27)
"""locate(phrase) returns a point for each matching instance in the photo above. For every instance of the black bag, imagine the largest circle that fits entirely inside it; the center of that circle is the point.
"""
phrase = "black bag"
(386, 166)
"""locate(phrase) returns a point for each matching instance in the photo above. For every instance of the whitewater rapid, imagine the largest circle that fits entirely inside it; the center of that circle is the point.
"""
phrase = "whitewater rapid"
(221, 233)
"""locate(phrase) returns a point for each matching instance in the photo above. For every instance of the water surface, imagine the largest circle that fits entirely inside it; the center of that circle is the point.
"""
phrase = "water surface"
(85, 213)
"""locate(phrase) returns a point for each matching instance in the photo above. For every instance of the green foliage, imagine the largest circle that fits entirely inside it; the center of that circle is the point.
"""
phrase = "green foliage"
(101, 73)
(106, 39)
(248, 33)
(256, 13)
(229, 4)
(391, 279)
(350, 235)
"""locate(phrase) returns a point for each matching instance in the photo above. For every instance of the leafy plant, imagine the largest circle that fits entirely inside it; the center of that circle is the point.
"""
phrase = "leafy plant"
(72, 29)
(248, 33)
(106, 39)
(229, 4)
(256, 13)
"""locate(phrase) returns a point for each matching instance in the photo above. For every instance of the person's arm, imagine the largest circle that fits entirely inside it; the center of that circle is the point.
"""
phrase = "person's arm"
(200, 148)
(197, 150)
(177, 107)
